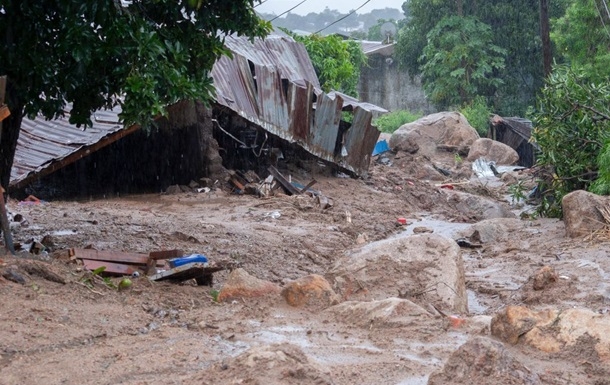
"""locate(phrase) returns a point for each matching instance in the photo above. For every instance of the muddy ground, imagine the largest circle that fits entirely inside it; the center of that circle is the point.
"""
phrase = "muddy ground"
(164, 333)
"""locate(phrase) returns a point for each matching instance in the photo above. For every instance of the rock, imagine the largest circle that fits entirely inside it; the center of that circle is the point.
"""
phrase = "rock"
(553, 331)
(581, 213)
(390, 312)
(312, 290)
(428, 267)
(173, 189)
(569, 329)
(280, 364)
(483, 361)
(478, 207)
(545, 277)
(443, 128)
(492, 151)
(240, 284)
(492, 230)
(510, 177)
(515, 321)
(422, 229)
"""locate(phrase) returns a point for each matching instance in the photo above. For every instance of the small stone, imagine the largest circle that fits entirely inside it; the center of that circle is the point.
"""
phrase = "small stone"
(545, 277)
(422, 230)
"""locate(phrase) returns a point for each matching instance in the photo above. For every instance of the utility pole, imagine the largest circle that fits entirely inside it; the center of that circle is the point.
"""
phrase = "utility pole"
(545, 36)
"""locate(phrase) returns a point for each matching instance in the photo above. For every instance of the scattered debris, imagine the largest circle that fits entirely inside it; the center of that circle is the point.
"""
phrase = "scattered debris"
(545, 277)
(169, 265)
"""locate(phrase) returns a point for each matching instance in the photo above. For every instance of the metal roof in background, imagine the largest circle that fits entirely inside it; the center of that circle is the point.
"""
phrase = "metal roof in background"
(270, 82)
(377, 47)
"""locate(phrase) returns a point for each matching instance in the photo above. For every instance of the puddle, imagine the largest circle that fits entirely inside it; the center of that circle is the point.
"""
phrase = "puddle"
(64, 232)
(474, 306)
(444, 228)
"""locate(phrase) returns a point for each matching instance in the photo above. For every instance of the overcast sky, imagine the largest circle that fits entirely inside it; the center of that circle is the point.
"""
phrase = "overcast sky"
(344, 6)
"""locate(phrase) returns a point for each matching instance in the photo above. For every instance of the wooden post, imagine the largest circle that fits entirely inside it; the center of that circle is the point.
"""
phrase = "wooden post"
(6, 228)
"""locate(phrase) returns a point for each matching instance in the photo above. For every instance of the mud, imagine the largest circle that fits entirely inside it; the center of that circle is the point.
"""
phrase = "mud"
(163, 333)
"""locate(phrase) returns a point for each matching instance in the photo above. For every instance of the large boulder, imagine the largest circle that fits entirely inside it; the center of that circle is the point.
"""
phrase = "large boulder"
(492, 230)
(553, 331)
(312, 291)
(581, 213)
(390, 312)
(426, 268)
(425, 134)
(492, 151)
(240, 284)
(483, 361)
(477, 207)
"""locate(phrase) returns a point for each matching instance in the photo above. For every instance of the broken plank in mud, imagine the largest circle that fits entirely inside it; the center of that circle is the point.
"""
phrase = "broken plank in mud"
(113, 256)
(110, 267)
(283, 181)
(166, 254)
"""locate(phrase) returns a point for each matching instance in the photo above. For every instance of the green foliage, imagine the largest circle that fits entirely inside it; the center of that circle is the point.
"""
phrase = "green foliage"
(460, 61)
(337, 62)
(601, 185)
(143, 55)
(583, 38)
(214, 294)
(477, 113)
(572, 123)
(515, 28)
(517, 192)
(392, 121)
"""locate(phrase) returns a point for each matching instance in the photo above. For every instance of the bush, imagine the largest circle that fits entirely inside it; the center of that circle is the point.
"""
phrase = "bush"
(392, 121)
(477, 113)
(572, 125)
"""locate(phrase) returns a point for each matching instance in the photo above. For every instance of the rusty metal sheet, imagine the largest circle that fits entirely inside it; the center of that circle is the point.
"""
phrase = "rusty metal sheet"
(359, 139)
(300, 118)
(326, 129)
(42, 142)
(271, 97)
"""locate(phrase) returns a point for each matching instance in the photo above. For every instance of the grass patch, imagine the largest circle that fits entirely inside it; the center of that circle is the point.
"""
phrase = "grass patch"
(392, 121)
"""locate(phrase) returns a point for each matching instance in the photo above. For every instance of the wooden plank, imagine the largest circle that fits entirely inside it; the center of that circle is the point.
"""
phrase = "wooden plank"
(111, 256)
(111, 267)
(283, 181)
(166, 254)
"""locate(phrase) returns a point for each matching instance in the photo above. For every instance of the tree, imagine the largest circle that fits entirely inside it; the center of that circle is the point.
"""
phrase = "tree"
(460, 61)
(515, 28)
(582, 36)
(336, 61)
(141, 55)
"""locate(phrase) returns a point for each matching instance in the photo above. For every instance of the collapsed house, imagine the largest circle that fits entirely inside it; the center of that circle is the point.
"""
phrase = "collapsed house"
(268, 98)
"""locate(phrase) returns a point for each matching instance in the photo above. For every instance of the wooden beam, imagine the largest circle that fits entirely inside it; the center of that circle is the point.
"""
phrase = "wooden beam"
(111, 267)
(283, 181)
(111, 256)
(166, 254)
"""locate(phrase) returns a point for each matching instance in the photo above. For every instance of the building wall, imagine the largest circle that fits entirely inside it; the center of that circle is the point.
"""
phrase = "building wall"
(382, 83)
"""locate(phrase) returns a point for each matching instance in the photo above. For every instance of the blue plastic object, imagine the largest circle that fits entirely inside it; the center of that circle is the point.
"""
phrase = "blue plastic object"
(175, 262)
(381, 147)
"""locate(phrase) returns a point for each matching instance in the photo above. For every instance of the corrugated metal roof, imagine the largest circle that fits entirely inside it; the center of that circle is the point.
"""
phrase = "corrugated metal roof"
(270, 82)
(377, 47)
(44, 143)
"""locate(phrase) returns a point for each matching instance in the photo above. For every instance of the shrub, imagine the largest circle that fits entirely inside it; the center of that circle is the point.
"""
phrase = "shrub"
(477, 113)
(392, 121)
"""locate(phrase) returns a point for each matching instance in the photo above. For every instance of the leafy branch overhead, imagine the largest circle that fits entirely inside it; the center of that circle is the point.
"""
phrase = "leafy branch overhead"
(93, 53)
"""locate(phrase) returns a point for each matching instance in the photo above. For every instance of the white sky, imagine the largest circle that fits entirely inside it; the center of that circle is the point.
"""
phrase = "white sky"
(344, 6)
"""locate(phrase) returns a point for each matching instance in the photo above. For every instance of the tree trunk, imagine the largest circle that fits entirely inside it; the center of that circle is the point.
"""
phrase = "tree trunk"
(11, 127)
(545, 36)
(460, 8)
